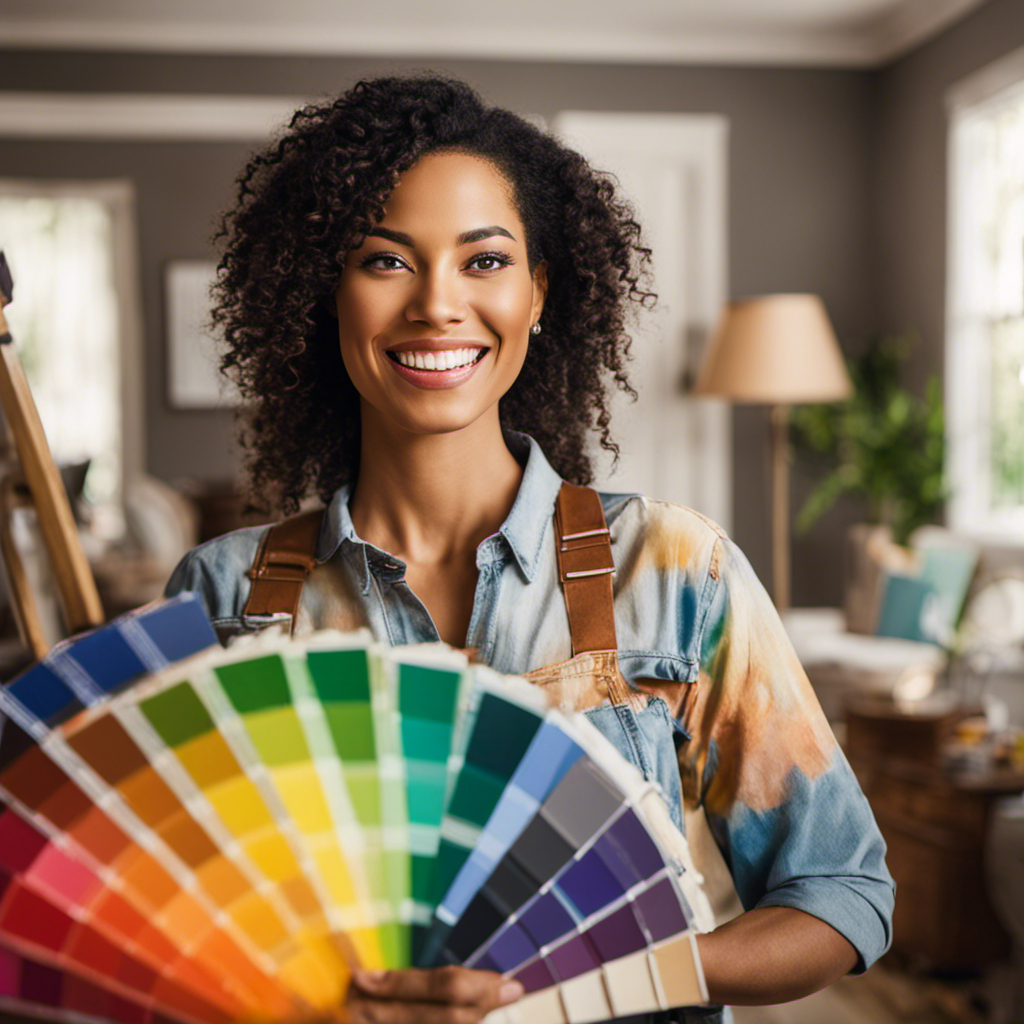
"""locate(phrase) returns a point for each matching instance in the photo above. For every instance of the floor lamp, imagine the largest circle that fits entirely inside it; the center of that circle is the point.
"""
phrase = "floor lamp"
(778, 350)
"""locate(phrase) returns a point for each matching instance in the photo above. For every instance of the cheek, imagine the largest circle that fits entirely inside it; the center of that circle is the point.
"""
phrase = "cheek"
(354, 331)
(355, 312)
(510, 307)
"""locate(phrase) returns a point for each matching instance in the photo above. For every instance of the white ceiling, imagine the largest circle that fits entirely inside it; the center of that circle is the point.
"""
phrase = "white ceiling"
(801, 32)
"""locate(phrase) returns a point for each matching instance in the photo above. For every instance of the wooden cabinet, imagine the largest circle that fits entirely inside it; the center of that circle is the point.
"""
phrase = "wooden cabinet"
(935, 828)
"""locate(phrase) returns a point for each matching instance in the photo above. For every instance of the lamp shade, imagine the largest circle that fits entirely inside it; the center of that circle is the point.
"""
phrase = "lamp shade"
(778, 349)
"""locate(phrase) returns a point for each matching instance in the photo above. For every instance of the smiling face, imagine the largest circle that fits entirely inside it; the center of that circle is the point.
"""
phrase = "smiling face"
(435, 307)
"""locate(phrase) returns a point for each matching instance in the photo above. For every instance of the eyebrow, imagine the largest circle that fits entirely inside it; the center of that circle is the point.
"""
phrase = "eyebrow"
(476, 235)
(479, 234)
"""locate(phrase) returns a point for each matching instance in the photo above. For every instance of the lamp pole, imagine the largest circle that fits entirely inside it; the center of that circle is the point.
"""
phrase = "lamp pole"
(780, 505)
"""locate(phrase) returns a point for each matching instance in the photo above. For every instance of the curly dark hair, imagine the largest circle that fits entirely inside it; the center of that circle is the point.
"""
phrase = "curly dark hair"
(314, 194)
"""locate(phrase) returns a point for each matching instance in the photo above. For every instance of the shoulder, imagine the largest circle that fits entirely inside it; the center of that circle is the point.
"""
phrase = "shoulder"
(666, 534)
(217, 572)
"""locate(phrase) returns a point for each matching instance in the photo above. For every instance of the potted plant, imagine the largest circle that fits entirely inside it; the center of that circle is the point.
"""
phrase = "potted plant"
(885, 445)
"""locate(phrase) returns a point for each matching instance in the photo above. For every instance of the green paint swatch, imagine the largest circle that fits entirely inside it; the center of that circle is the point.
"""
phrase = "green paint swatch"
(277, 736)
(427, 693)
(351, 728)
(177, 714)
(342, 676)
(255, 684)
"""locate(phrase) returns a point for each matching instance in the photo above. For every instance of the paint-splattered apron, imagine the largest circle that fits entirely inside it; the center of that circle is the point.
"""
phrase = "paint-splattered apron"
(635, 720)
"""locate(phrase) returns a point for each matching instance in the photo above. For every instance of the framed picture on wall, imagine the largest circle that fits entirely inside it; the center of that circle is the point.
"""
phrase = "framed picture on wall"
(193, 378)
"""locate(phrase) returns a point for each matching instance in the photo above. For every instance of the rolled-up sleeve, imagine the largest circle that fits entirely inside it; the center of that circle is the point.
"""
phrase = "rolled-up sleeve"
(780, 797)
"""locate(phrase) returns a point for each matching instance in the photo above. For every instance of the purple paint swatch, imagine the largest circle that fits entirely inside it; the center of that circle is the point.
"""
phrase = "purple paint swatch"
(632, 840)
(510, 949)
(589, 884)
(573, 958)
(617, 935)
(535, 976)
(547, 919)
(659, 912)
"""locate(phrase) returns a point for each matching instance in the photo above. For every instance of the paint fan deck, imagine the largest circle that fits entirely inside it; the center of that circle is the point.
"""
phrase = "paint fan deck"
(190, 834)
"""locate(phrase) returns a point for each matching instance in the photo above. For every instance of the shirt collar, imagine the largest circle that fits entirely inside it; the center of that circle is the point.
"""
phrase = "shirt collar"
(525, 528)
(527, 524)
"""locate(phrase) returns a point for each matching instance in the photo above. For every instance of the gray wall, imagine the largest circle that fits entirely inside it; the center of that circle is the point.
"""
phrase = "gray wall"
(836, 186)
(909, 172)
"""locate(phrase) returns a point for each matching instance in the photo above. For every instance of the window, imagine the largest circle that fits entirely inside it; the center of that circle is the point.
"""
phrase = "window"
(985, 325)
(72, 320)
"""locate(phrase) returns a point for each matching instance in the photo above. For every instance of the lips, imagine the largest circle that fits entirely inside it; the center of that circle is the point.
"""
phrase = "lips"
(436, 364)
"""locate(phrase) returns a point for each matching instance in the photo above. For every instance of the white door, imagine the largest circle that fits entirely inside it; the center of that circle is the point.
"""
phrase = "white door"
(673, 169)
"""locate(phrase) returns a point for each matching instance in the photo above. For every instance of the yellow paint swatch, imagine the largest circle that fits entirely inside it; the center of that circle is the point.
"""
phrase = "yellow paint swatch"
(299, 787)
(271, 853)
(208, 759)
(240, 806)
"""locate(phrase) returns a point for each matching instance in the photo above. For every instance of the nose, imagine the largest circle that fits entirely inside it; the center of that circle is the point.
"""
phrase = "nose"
(437, 300)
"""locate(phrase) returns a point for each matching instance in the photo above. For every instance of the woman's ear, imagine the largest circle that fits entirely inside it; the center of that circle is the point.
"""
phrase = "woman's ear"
(540, 290)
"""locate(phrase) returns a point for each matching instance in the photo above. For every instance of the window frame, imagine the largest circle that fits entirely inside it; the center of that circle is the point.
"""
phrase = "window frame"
(967, 351)
(118, 196)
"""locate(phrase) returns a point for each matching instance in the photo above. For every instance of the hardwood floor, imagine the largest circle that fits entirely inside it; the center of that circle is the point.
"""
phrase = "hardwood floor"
(885, 996)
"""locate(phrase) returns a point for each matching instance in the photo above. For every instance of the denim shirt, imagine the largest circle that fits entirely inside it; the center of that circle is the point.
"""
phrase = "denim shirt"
(694, 626)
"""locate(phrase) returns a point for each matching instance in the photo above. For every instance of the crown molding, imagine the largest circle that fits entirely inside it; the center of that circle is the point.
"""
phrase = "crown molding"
(144, 116)
(915, 22)
(999, 82)
(678, 42)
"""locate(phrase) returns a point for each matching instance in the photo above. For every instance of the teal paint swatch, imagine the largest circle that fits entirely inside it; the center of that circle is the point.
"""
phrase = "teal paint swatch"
(499, 736)
(428, 698)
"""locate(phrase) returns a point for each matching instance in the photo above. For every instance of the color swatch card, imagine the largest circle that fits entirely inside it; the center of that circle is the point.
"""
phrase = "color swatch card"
(31, 988)
(227, 835)
(352, 731)
(57, 909)
(102, 756)
(496, 733)
(144, 896)
(85, 668)
(430, 683)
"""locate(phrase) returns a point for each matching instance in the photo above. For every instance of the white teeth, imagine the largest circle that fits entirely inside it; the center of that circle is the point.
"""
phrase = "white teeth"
(443, 360)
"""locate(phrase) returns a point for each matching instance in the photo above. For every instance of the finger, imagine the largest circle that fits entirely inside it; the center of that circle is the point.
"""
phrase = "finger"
(393, 1011)
(455, 986)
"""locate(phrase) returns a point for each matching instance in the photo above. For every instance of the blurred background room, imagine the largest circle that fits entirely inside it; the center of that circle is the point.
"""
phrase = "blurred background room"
(834, 194)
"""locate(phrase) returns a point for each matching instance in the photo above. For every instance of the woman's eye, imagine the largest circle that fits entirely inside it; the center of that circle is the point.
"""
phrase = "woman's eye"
(384, 261)
(490, 261)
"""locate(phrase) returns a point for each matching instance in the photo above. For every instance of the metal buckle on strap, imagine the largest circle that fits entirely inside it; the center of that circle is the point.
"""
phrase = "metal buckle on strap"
(588, 572)
(586, 533)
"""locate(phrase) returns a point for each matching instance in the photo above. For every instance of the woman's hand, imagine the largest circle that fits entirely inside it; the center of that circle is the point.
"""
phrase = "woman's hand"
(442, 995)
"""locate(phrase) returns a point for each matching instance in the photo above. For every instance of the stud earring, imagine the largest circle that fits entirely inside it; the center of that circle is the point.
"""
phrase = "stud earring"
(535, 329)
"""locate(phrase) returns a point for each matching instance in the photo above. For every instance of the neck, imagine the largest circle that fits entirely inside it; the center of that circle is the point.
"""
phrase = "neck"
(429, 498)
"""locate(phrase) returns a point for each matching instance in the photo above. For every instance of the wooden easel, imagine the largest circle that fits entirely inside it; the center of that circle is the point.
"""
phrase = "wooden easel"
(76, 588)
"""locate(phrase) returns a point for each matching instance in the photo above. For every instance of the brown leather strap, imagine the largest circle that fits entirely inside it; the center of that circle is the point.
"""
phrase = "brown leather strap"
(285, 557)
(585, 568)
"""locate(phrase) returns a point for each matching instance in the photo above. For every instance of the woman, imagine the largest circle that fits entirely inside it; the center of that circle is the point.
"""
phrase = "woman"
(426, 301)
